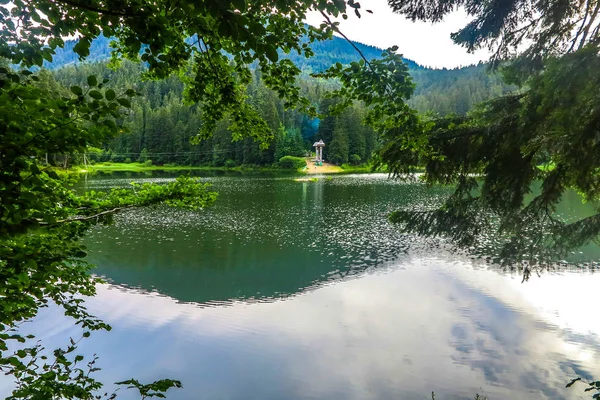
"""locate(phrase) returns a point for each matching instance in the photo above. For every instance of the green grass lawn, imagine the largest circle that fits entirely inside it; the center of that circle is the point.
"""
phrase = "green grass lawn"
(139, 167)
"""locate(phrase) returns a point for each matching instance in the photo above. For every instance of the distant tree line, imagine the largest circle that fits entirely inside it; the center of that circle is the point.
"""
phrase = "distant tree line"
(455, 91)
(161, 124)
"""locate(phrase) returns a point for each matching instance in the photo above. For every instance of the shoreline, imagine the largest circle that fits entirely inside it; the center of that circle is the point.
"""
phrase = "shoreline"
(139, 167)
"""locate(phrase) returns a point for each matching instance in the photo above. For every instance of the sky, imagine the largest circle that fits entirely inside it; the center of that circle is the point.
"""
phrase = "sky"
(427, 44)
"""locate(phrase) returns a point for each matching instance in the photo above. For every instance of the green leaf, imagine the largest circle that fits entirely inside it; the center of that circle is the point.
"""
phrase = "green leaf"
(110, 95)
(76, 90)
(111, 125)
(239, 5)
(95, 94)
(572, 382)
(124, 102)
(271, 53)
(92, 81)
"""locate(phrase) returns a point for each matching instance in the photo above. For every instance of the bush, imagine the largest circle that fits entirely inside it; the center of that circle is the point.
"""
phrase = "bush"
(94, 154)
(148, 163)
(230, 164)
(116, 158)
(143, 156)
(128, 160)
(354, 159)
(290, 162)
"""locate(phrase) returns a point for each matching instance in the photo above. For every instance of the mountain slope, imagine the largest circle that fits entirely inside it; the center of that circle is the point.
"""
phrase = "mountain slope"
(326, 54)
(441, 91)
(161, 124)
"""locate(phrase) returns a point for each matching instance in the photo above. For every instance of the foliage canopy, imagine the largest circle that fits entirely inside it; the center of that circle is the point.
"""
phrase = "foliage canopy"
(547, 133)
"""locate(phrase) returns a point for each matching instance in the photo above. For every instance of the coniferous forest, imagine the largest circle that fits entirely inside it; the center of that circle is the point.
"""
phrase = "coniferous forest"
(161, 124)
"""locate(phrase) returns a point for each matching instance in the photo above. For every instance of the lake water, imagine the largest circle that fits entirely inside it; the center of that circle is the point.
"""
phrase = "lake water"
(303, 290)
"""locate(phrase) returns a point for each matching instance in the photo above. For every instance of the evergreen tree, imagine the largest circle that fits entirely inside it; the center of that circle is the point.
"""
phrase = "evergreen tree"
(546, 132)
(339, 147)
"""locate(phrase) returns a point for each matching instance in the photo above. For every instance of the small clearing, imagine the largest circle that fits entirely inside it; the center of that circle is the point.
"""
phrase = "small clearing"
(326, 168)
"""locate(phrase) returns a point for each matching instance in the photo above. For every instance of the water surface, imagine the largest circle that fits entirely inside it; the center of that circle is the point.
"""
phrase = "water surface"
(302, 290)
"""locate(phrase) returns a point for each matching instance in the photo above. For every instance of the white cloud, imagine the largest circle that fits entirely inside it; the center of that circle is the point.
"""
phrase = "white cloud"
(427, 44)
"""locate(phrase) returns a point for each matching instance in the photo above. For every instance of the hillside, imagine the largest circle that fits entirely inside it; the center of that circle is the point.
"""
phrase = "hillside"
(326, 53)
(161, 123)
(339, 50)
(440, 91)
(99, 51)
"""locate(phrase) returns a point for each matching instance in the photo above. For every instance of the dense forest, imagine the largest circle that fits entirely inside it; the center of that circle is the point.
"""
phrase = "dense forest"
(161, 124)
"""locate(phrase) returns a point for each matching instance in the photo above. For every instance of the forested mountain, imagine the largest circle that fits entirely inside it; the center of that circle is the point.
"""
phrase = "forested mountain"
(99, 51)
(454, 91)
(161, 125)
(326, 53)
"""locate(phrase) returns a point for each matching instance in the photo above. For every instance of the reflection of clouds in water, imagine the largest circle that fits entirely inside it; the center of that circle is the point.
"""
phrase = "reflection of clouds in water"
(504, 339)
(423, 325)
(497, 341)
(399, 333)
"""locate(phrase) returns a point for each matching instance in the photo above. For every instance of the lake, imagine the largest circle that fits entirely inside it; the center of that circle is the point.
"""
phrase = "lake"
(303, 290)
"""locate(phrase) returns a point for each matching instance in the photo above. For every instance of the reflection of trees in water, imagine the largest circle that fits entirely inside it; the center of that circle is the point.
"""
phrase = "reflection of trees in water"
(271, 238)
(264, 239)
(533, 239)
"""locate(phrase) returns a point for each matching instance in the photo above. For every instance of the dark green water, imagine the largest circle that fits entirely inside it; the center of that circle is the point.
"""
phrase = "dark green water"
(302, 290)
(266, 238)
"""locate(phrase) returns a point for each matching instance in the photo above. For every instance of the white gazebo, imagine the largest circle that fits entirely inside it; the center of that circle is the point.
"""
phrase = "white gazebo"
(319, 150)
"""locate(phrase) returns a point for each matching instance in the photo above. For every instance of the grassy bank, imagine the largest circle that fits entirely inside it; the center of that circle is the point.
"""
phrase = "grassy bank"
(141, 167)
(357, 169)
